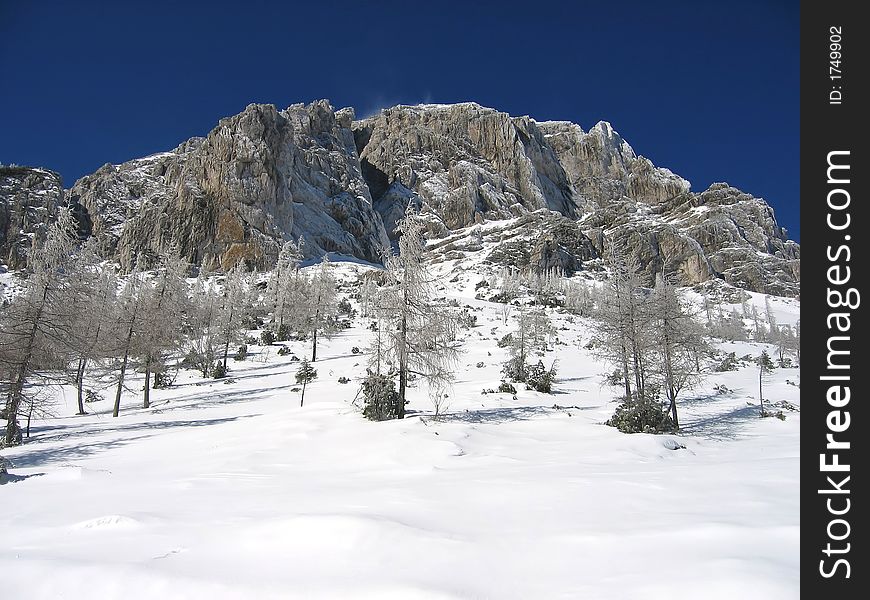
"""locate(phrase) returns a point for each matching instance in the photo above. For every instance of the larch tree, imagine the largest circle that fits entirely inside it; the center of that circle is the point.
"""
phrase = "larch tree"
(233, 308)
(320, 306)
(203, 324)
(283, 288)
(164, 306)
(530, 337)
(678, 340)
(419, 334)
(128, 324)
(35, 326)
(623, 334)
(92, 296)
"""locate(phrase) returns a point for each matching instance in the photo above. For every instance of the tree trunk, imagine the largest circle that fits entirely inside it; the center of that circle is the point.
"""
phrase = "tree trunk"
(117, 408)
(226, 351)
(760, 396)
(80, 382)
(314, 346)
(302, 400)
(403, 366)
(29, 418)
(147, 402)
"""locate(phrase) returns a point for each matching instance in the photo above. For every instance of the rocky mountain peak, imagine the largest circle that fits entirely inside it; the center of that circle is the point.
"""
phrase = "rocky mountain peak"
(315, 173)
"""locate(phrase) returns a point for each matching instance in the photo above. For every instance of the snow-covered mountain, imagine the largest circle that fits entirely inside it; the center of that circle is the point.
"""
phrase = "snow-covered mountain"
(265, 176)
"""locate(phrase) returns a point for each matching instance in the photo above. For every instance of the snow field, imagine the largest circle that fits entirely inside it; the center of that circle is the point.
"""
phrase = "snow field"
(232, 490)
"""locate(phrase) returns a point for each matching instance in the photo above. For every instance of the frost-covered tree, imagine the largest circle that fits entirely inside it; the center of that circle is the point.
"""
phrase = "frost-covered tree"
(203, 324)
(421, 332)
(35, 326)
(320, 305)
(232, 310)
(623, 334)
(128, 321)
(677, 341)
(529, 338)
(284, 289)
(164, 305)
(91, 298)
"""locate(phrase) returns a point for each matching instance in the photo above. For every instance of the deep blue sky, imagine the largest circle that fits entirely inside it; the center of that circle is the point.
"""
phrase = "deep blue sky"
(707, 90)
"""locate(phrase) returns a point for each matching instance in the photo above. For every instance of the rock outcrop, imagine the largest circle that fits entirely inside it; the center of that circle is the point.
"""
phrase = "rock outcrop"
(29, 199)
(467, 164)
(258, 179)
(569, 198)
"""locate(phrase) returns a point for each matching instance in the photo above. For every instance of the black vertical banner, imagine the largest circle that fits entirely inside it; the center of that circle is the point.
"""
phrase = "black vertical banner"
(835, 228)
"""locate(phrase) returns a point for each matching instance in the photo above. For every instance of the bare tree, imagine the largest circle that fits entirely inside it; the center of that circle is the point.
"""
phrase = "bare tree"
(623, 333)
(92, 293)
(164, 305)
(530, 337)
(128, 322)
(203, 328)
(320, 305)
(35, 327)
(234, 304)
(678, 340)
(422, 333)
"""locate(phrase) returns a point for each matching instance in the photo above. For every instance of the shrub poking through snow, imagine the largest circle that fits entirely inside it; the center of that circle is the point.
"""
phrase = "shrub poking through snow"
(539, 378)
(219, 371)
(284, 351)
(267, 337)
(380, 398)
(645, 416)
(507, 388)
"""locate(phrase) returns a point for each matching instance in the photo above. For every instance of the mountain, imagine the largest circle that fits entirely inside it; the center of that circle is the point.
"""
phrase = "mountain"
(566, 196)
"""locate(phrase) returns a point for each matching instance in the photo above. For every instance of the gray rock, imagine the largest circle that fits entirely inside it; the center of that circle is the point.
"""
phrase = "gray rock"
(309, 172)
(29, 199)
(258, 179)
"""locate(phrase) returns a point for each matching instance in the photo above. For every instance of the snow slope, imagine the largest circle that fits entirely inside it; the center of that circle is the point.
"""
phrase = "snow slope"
(232, 490)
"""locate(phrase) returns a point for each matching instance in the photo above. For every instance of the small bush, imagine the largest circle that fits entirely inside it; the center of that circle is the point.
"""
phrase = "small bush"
(615, 378)
(219, 371)
(729, 363)
(293, 358)
(283, 333)
(480, 365)
(251, 340)
(380, 398)
(284, 351)
(343, 379)
(646, 416)
(507, 388)
(93, 396)
(506, 341)
(162, 380)
(345, 307)
(514, 370)
(355, 350)
(241, 353)
(539, 378)
(267, 337)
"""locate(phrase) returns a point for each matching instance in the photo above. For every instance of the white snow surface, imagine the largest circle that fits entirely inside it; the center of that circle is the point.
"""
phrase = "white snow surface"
(232, 490)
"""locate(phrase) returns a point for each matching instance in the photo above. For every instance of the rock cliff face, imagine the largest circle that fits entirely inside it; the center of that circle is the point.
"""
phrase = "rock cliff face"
(29, 198)
(258, 179)
(264, 176)
(466, 164)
